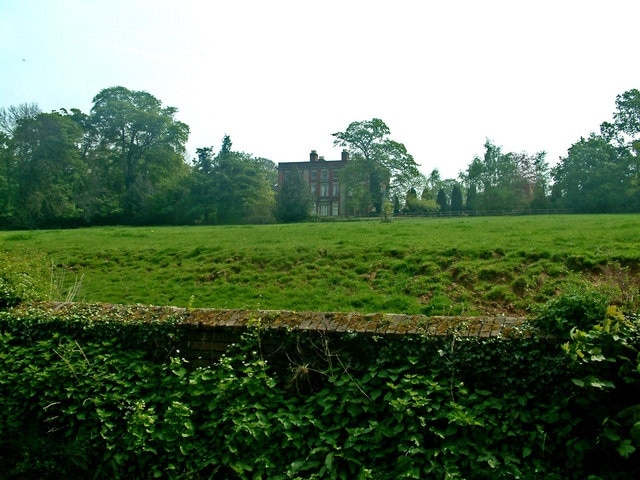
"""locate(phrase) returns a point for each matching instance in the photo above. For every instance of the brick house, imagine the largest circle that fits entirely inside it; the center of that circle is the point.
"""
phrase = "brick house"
(328, 192)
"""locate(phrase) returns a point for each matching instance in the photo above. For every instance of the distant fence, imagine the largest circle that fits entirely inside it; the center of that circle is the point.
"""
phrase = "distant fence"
(487, 213)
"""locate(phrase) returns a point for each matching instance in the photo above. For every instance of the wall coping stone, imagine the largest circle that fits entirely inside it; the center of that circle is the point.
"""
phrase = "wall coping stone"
(369, 323)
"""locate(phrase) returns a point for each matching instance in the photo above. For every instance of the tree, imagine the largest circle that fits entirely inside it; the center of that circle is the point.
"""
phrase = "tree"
(594, 176)
(456, 199)
(625, 129)
(602, 172)
(11, 116)
(396, 204)
(411, 201)
(356, 175)
(433, 183)
(225, 149)
(625, 135)
(7, 180)
(504, 181)
(243, 187)
(472, 196)
(442, 201)
(47, 169)
(294, 199)
(202, 203)
(139, 142)
(386, 163)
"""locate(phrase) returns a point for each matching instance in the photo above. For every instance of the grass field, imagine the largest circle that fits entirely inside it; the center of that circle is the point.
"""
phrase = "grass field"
(434, 266)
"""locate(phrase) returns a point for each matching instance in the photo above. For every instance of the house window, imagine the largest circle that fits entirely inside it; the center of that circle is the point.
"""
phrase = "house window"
(336, 174)
(325, 174)
(314, 174)
(313, 189)
(324, 190)
(336, 189)
(324, 209)
(334, 209)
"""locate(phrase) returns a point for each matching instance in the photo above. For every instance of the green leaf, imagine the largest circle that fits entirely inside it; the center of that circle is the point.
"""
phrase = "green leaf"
(625, 448)
(328, 462)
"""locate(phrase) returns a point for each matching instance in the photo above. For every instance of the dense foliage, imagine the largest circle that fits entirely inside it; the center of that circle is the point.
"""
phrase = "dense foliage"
(110, 397)
(123, 163)
(379, 167)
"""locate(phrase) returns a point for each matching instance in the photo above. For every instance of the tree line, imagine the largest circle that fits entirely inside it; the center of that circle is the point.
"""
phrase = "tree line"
(125, 162)
(599, 174)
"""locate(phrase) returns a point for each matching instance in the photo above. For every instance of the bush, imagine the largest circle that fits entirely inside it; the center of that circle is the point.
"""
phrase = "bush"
(574, 308)
(608, 356)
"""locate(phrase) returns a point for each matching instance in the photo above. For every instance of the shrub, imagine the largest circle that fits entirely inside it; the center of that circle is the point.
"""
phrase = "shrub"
(575, 308)
(608, 359)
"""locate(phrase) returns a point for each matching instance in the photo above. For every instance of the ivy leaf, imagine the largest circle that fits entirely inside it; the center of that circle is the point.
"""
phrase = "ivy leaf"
(626, 448)
(599, 383)
(594, 382)
(328, 462)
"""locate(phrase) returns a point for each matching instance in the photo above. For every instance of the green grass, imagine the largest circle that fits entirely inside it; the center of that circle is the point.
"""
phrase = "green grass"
(468, 266)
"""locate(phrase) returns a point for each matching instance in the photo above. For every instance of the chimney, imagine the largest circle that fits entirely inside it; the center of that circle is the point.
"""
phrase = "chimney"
(345, 155)
(313, 156)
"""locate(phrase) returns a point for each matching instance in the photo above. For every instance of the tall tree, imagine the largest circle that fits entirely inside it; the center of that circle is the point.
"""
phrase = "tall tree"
(625, 129)
(504, 181)
(456, 199)
(602, 172)
(48, 169)
(411, 201)
(243, 187)
(225, 149)
(357, 177)
(387, 164)
(11, 116)
(433, 184)
(595, 177)
(472, 197)
(7, 181)
(293, 199)
(442, 201)
(139, 140)
(202, 198)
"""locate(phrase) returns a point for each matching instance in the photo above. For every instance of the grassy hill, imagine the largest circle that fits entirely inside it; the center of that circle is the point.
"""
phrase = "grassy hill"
(434, 266)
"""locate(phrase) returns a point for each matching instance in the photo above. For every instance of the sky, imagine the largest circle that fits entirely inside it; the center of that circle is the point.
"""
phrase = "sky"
(280, 76)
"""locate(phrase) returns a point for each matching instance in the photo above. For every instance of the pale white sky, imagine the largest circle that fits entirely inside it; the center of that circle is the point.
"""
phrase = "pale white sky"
(279, 76)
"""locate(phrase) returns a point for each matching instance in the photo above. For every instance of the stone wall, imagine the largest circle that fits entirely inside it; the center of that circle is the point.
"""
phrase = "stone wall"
(210, 332)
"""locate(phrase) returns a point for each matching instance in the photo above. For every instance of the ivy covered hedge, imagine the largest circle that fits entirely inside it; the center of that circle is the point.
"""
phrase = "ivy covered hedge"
(111, 398)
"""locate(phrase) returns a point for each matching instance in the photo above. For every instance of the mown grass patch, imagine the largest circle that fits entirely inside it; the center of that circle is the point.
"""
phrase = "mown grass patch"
(434, 266)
